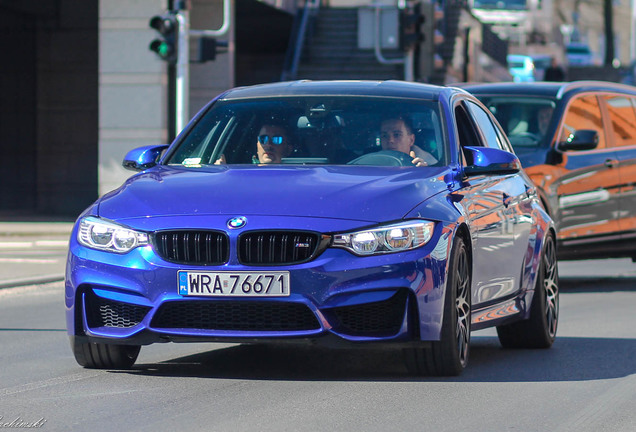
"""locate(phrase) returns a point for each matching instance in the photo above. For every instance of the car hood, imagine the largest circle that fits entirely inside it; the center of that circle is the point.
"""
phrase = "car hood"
(362, 193)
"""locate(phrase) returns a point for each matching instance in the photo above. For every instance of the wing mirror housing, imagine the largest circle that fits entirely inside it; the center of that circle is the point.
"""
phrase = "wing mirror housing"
(584, 139)
(143, 158)
(485, 160)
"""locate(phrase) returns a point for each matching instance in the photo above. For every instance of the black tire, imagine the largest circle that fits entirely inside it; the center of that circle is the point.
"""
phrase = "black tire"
(105, 356)
(538, 331)
(449, 355)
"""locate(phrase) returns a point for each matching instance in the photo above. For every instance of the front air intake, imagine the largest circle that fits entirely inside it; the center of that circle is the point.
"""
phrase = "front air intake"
(102, 312)
(278, 247)
(192, 247)
(235, 316)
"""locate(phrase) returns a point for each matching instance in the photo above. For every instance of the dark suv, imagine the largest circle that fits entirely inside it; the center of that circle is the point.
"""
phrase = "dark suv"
(577, 141)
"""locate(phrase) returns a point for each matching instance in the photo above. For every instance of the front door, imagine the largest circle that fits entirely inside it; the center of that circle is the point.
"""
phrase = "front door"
(588, 184)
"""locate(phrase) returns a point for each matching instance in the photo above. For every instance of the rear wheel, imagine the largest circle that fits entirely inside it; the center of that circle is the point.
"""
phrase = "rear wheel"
(539, 331)
(104, 356)
(449, 356)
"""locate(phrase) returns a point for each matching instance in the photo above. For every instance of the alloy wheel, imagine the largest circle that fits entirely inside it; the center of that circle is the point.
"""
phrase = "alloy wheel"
(551, 287)
(462, 306)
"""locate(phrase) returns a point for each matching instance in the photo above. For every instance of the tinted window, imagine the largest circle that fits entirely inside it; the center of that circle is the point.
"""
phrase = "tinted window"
(623, 120)
(301, 130)
(486, 126)
(583, 113)
(524, 119)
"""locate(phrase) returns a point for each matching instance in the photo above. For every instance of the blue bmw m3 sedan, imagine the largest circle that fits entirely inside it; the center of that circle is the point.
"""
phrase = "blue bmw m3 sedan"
(381, 214)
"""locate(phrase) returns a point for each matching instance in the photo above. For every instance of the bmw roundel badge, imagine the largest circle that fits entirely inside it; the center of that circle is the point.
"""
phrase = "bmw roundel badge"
(237, 222)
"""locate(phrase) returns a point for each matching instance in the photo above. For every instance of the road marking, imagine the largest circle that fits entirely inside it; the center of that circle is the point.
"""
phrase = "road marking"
(31, 244)
(15, 245)
(30, 260)
(51, 243)
(48, 383)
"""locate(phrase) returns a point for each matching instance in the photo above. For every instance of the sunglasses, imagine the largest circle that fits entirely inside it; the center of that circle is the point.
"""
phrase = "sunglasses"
(266, 139)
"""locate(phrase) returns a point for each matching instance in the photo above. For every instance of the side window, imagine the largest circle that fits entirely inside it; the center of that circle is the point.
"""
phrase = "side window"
(623, 120)
(503, 141)
(484, 123)
(467, 135)
(583, 113)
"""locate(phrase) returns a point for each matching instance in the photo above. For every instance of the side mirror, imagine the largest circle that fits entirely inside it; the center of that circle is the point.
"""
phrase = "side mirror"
(584, 139)
(143, 158)
(485, 160)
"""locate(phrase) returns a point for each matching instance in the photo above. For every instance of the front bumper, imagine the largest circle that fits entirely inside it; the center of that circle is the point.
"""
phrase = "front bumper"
(134, 299)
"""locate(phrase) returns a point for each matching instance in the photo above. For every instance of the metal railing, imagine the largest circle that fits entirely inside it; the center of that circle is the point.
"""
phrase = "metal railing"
(297, 43)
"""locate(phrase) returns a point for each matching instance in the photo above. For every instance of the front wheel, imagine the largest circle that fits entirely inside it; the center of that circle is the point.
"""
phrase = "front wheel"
(104, 356)
(449, 356)
(539, 331)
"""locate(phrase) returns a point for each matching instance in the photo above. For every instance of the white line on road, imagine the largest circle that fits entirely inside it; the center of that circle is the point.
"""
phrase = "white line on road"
(31, 244)
(15, 245)
(30, 260)
(48, 383)
(51, 243)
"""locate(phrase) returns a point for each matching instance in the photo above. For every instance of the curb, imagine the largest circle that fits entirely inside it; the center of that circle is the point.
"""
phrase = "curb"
(35, 280)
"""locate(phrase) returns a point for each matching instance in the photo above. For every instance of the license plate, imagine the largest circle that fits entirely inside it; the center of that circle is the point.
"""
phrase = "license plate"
(234, 284)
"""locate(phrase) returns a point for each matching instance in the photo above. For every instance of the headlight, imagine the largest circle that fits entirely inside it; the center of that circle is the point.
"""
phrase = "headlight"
(386, 239)
(102, 234)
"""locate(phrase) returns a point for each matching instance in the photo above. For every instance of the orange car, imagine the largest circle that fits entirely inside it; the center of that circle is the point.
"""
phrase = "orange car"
(577, 141)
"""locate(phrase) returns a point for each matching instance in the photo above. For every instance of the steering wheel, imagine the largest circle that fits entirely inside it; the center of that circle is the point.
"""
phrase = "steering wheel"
(383, 158)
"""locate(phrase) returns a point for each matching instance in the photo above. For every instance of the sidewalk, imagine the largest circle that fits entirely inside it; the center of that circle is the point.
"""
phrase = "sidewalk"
(33, 252)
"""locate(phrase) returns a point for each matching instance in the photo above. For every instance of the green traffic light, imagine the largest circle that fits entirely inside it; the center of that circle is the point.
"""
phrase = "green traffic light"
(167, 26)
(163, 50)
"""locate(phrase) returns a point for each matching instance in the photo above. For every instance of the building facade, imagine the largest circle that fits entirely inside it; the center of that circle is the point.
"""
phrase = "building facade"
(83, 88)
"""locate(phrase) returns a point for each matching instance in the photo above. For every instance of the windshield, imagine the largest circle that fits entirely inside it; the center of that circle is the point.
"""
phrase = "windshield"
(524, 119)
(313, 130)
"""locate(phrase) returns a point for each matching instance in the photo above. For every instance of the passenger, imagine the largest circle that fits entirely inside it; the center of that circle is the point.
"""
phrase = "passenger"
(272, 144)
(396, 133)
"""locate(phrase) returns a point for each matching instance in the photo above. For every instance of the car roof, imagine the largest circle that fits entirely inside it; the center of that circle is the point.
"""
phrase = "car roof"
(555, 90)
(389, 88)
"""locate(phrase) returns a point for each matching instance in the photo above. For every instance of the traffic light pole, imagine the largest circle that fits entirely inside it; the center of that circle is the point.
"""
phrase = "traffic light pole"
(173, 46)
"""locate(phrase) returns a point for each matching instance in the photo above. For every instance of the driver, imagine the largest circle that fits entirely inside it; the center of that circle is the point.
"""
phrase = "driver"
(543, 119)
(396, 134)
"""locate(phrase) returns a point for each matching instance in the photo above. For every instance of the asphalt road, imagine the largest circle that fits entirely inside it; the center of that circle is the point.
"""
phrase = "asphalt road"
(586, 382)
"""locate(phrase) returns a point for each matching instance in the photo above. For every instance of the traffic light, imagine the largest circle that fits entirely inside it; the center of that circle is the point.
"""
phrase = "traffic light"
(411, 20)
(208, 48)
(430, 58)
(168, 27)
